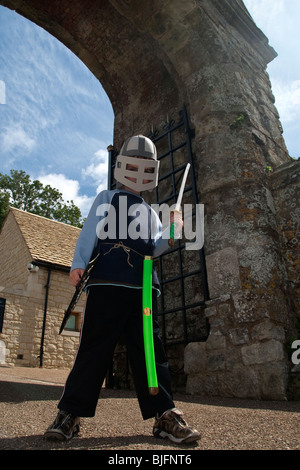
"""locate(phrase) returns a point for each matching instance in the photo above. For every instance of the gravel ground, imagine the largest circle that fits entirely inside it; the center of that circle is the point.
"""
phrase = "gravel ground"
(28, 400)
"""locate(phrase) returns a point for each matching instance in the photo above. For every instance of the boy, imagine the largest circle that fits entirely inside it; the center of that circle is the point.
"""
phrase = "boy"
(124, 229)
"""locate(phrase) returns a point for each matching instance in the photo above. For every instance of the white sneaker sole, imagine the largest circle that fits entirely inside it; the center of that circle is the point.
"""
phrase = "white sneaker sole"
(57, 435)
(163, 434)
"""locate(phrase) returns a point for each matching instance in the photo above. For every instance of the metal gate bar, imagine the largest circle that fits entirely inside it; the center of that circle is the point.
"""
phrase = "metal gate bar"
(173, 172)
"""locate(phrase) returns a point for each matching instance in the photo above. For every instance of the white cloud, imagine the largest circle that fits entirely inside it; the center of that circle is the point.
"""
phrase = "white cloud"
(69, 189)
(279, 22)
(287, 99)
(266, 13)
(2, 92)
(97, 169)
(14, 136)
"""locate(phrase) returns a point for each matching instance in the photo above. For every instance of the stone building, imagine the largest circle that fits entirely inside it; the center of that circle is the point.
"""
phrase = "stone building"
(35, 257)
(153, 57)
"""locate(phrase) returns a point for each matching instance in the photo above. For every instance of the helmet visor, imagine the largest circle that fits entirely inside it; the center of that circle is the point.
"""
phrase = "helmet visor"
(136, 173)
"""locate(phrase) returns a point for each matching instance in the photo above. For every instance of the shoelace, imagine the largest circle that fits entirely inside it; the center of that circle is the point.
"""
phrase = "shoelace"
(178, 418)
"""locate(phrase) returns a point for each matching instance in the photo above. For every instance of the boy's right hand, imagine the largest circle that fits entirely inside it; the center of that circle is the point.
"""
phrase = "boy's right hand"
(75, 276)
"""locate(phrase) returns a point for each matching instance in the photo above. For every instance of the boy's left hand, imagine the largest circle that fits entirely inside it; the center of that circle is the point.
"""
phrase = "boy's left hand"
(178, 222)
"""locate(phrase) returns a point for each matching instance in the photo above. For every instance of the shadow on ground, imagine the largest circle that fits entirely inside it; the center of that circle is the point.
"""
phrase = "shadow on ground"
(17, 392)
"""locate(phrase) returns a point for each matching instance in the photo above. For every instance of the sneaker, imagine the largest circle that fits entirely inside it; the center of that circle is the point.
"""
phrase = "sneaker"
(64, 427)
(172, 425)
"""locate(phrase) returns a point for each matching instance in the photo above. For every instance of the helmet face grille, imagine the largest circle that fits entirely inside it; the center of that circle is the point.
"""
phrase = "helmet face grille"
(138, 174)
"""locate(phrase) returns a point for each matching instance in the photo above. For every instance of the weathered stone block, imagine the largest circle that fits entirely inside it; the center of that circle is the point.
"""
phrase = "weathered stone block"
(209, 311)
(233, 359)
(249, 307)
(223, 272)
(202, 384)
(260, 353)
(215, 362)
(239, 336)
(194, 358)
(224, 309)
(273, 380)
(216, 340)
(267, 330)
(242, 382)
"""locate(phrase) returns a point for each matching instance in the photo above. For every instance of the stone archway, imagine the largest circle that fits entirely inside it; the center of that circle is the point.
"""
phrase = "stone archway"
(151, 57)
(121, 55)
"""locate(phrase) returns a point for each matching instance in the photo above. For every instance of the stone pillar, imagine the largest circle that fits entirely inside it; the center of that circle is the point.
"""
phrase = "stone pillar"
(238, 141)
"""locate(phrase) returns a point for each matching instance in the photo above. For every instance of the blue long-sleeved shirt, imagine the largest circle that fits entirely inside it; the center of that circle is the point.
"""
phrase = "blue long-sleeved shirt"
(92, 238)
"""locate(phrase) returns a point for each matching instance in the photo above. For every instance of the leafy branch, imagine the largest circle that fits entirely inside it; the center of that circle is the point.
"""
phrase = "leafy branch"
(18, 190)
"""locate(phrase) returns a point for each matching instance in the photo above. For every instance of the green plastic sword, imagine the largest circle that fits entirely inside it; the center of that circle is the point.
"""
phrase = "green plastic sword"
(148, 326)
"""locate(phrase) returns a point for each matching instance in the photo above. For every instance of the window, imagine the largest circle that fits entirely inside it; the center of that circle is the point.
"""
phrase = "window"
(73, 323)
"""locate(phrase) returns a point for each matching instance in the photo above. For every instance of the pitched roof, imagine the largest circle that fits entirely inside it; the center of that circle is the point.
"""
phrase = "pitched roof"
(48, 241)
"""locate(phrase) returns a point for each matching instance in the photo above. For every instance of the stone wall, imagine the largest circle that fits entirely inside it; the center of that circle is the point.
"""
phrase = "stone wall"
(247, 351)
(286, 195)
(243, 357)
(14, 259)
(24, 319)
(25, 294)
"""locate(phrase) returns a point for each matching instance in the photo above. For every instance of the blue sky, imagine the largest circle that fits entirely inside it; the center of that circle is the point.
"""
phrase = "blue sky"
(56, 120)
(279, 21)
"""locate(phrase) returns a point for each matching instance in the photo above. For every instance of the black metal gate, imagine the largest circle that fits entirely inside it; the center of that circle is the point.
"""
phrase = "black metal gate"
(182, 272)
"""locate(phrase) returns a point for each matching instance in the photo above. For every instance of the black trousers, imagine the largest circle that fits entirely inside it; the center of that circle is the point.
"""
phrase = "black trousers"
(112, 311)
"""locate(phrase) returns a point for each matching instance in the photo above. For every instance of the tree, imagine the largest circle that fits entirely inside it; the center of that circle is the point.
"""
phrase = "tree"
(17, 190)
(4, 206)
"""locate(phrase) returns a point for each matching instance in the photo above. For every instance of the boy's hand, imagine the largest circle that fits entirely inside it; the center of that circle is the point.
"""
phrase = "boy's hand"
(178, 222)
(75, 276)
(176, 218)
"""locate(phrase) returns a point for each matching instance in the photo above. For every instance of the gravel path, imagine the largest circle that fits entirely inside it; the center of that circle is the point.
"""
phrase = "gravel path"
(28, 400)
